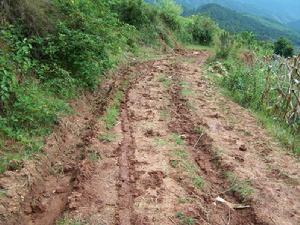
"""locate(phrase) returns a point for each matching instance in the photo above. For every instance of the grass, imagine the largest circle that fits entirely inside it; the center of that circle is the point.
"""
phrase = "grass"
(165, 80)
(160, 142)
(184, 200)
(241, 187)
(111, 115)
(2, 193)
(198, 182)
(281, 132)
(68, 221)
(107, 137)
(199, 47)
(199, 130)
(186, 91)
(185, 220)
(11, 161)
(182, 161)
(177, 139)
(94, 156)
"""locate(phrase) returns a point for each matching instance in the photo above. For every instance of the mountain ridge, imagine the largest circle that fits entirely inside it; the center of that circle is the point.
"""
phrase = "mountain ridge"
(233, 21)
(284, 12)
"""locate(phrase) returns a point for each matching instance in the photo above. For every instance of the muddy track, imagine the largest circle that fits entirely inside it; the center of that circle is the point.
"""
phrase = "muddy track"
(164, 162)
(201, 147)
(126, 169)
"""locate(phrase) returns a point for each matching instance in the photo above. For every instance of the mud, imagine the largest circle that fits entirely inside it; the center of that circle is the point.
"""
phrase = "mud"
(174, 143)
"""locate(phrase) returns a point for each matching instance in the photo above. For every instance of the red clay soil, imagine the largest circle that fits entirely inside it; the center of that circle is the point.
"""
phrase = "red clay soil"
(168, 162)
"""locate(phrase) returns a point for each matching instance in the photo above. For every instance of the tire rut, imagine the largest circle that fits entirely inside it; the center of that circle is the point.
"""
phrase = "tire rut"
(185, 124)
(126, 169)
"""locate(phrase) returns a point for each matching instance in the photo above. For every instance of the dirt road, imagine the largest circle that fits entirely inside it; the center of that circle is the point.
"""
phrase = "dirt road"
(181, 153)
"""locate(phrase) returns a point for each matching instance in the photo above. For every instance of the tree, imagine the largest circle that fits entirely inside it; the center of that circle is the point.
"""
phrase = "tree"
(283, 47)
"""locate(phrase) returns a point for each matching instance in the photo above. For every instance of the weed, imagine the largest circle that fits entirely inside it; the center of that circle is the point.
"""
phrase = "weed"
(177, 139)
(160, 142)
(241, 187)
(183, 200)
(107, 137)
(174, 163)
(186, 91)
(165, 80)
(185, 220)
(69, 221)
(198, 182)
(94, 156)
(182, 161)
(10, 161)
(181, 154)
(111, 115)
(199, 130)
(2, 193)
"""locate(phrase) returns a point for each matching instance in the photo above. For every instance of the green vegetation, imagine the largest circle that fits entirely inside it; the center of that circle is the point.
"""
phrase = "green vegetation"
(67, 221)
(107, 137)
(185, 89)
(111, 115)
(94, 156)
(255, 80)
(177, 139)
(283, 47)
(232, 21)
(51, 51)
(2, 193)
(241, 187)
(185, 220)
(165, 80)
(181, 161)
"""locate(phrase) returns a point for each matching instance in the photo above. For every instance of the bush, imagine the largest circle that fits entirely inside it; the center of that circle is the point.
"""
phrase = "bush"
(225, 45)
(203, 30)
(170, 13)
(37, 17)
(283, 47)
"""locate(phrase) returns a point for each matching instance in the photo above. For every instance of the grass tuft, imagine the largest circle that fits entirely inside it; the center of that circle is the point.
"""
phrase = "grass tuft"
(185, 220)
(241, 187)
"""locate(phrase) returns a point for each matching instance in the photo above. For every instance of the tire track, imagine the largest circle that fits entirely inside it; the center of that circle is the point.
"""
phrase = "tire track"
(126, 169)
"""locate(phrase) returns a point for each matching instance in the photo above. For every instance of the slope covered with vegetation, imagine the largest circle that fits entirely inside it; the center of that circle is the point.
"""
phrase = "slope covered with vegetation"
(233, 21)
(281, 11)
(51, 51)
(295, 25)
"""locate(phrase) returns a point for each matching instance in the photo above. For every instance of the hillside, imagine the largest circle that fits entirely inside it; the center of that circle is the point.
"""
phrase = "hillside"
(281, 11)
(237, 22)
(295, 25)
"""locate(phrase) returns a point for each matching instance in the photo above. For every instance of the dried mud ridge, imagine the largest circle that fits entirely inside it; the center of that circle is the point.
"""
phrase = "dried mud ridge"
(165, 161)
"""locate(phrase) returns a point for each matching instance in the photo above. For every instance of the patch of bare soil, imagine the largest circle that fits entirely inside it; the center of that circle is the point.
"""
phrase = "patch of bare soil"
(180, 154)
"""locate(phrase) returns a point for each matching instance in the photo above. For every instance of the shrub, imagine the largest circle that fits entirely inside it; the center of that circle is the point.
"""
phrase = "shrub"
(283, 47)
(203, 30)
(225, 45)
(170, 13)
(37, 17)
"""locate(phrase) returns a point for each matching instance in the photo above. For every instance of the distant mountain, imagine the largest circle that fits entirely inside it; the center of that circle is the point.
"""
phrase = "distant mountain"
(295, 25)
(283, 11)
(233, 21)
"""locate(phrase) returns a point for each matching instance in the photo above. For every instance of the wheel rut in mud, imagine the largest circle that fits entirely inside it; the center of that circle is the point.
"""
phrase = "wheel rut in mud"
(165, 160)
(201, 149)
(126, 169)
